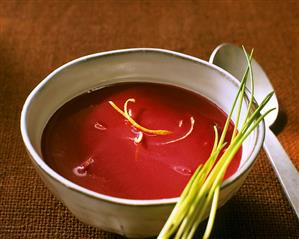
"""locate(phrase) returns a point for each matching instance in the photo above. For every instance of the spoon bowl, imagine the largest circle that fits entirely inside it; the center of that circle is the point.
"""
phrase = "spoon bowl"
(231, 58)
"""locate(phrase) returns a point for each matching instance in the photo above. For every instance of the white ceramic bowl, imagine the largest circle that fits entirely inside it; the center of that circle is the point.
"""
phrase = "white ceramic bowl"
(131, 218)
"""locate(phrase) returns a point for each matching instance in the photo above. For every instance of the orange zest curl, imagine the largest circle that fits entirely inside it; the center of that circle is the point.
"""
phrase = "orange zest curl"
(134, 123)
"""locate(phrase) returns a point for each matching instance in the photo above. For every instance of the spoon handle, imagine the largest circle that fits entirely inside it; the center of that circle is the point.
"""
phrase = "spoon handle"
(284, 168)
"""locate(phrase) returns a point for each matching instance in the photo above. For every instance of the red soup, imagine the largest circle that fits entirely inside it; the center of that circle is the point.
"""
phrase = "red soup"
(92, 140)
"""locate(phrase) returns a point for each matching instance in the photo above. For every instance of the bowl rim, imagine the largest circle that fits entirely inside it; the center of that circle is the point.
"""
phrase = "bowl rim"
(116, 200)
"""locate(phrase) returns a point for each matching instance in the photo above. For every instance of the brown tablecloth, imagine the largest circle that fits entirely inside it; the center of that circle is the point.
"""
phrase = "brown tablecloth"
(38, 36)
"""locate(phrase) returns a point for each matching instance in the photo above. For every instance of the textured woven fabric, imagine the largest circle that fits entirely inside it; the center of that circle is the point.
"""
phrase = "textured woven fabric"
(38, 36)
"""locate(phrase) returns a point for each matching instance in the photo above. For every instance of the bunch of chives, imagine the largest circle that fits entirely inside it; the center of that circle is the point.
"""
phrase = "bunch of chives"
(203, 189)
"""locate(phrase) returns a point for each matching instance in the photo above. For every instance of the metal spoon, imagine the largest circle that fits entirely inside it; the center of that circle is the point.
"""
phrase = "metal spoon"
(231, 58)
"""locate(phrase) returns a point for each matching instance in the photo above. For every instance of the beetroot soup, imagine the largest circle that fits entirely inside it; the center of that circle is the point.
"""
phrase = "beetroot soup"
(133, 140)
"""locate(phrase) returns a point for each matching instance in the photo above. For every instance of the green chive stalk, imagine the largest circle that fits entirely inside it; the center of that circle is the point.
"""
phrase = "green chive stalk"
(203, 189)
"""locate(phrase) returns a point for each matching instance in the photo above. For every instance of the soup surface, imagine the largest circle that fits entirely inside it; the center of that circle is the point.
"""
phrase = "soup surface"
(92, 144)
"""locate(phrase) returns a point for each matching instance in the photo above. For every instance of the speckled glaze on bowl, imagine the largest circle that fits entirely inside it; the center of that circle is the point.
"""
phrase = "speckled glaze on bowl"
(130, 218)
